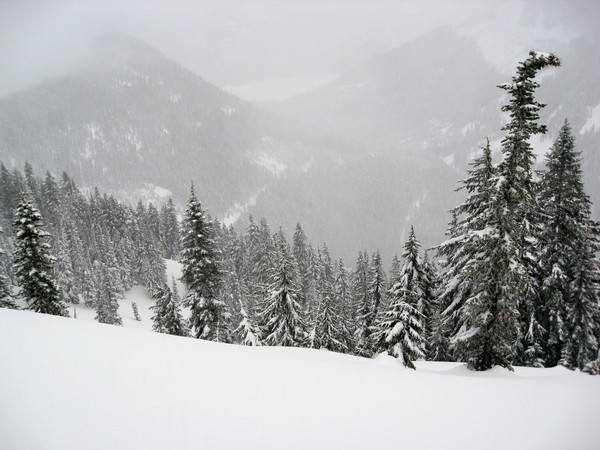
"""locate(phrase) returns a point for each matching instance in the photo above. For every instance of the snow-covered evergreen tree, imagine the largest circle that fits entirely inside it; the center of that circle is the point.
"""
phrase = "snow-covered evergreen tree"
(329, 331)
(167, 316)
(581, 345)
(400, 330)
(6, 300)
(519, 213)
(106, 297)
(415, 277)
(567, 280)
(170, 230)
(300, 250)
(202, 275)
(33, 263)
(462, 246)
(281, 318)
(363, 308)
(247, 331)
(343, 299)
(136, 312)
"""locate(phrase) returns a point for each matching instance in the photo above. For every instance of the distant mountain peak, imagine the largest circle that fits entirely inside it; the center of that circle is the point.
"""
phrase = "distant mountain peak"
(118, 47)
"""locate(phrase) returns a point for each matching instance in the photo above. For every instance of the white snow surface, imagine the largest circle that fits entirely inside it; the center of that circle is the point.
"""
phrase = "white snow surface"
(68, 384)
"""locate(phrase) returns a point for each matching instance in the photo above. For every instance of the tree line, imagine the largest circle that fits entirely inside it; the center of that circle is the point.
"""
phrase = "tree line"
(516, 281)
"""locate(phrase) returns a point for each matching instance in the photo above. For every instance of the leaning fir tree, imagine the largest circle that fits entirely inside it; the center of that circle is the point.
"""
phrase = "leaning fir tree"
(202, 275)
(496, 322)
(33, 263)
(519, 213)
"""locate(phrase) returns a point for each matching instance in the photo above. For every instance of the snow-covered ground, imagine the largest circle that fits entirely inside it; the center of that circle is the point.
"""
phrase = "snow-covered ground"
(68, 384)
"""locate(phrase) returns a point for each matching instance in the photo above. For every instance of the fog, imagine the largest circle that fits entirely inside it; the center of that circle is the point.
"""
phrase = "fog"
(402, 101)
(238, 42)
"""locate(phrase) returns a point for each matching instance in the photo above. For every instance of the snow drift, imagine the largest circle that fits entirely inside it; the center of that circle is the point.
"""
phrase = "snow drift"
(69, 384)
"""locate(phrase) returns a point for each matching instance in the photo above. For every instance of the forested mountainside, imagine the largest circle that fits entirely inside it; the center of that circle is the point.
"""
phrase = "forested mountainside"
(137, 125)
(438, 94)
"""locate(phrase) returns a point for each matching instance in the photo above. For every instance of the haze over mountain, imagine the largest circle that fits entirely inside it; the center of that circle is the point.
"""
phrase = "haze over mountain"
(137, 124)
(360, 158)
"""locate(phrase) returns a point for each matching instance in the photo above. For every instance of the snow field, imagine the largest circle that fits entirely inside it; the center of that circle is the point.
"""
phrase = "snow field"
(69, 385)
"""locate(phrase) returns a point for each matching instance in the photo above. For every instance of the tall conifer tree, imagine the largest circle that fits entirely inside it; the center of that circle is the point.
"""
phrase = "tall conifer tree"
(201, 274)
(567, 272)
(33, 263)
(281, 318)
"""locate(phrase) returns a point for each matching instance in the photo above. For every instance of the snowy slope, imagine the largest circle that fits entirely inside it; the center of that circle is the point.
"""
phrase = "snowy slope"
(70, 385)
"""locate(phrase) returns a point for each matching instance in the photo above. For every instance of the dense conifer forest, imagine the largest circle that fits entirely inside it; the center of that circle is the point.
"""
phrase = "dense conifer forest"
(515, 283)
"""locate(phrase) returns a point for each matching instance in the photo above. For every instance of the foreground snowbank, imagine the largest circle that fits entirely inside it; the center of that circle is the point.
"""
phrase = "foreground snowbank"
(65, 384)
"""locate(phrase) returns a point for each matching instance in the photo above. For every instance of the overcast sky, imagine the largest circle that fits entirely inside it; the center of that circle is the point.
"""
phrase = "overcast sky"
(227, 42)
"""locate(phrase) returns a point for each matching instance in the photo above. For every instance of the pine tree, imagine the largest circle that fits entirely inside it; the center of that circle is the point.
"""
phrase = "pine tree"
(328, 329)
(363, 308)
(376, 289)
(65, 277)
(344, 301)
(300, 250)
(167, 312)
(581, 346)
(202, 275)
(281, 317)
(567, 279)
(247, 331)
(400, 330)
(170, 230)
(106, 298)
(33, 263)
(136, 313)
(415, 277)
(461, 248)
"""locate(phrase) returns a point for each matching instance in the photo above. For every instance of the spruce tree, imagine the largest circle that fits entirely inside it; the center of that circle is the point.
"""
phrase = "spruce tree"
(581, 346)
(343, 299)
(106, 297)
(363, 306)
(167, 316)
(377, 288)
(33, 263)
(400, 330)
(136, 313)
(567, 272)
(329, 323)
(415, 277)
(462, 246)
(281, 318)
(170, 230)
(300, 250)
(247, 331)
(202, 275)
